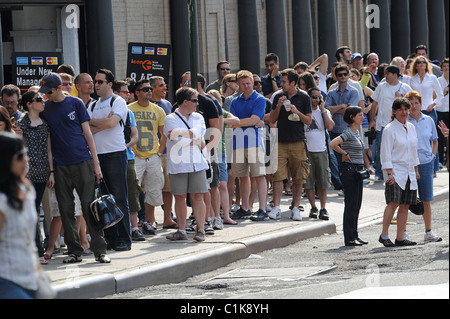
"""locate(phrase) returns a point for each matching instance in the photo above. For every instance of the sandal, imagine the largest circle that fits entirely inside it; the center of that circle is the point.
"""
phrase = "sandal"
(48, 256)
(43, 261)
(230, 222)
(173, 226)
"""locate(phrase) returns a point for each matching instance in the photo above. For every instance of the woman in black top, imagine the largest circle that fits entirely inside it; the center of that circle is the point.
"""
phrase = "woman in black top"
(351, 146)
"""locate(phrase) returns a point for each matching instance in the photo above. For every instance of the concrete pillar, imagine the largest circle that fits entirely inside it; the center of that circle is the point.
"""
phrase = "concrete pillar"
(249, 48)
(100, 36)
(302, 31)
(419, 23)
(180, 40)
(437, 33)
(400, 28)
(328, 37)
(277, 39)
(380, 38)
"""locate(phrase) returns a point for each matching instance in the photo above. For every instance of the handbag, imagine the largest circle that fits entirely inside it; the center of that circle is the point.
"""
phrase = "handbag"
(104, 209)
(417, 209)
(361, 174)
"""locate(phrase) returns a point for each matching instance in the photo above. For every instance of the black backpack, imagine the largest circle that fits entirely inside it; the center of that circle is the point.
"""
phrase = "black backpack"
(126, 125)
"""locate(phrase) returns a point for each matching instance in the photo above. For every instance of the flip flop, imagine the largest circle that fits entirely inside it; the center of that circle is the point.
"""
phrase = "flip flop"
(47, 256)
(173, 226)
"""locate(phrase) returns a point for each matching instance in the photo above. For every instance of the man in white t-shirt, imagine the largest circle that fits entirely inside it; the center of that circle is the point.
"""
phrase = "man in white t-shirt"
(316, 141)
(108, 117)
(380, 114)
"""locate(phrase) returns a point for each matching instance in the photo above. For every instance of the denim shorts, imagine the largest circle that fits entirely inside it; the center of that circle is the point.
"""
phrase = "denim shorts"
(426, 181)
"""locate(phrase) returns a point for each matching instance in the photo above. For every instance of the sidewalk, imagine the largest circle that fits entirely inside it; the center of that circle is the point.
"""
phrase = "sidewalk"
(158, 261)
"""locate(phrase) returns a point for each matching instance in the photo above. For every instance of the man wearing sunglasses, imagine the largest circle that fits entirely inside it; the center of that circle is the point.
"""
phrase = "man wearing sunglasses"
(223, 68)
(108, 117)
(149, 150)
(339, 98)
(76, 165)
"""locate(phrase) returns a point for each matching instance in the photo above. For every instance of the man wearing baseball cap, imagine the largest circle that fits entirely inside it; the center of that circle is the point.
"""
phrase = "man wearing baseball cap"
(76, 164)
(357, 61)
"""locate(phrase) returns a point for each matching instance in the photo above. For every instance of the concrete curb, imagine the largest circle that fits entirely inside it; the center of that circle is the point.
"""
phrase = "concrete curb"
(178, 270)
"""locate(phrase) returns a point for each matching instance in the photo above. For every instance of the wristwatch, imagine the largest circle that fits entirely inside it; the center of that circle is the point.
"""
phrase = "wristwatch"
(159, 154)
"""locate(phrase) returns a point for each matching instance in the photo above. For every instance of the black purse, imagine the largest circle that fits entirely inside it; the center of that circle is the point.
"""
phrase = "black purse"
(104, 209)
(361, 174)
(417, 209)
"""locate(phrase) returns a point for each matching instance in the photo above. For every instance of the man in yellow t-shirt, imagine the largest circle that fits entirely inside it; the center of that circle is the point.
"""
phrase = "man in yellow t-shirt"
(150, 120)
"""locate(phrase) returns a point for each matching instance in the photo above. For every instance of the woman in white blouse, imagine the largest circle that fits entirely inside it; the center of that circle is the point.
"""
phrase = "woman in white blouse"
(400, 163)
(18, 219)
(427, 84)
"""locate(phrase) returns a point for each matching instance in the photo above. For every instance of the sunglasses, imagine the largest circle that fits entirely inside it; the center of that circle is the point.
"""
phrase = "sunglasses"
(316, 97)
(194, 101)
(225, 69)
(38, 99)
(146, 89)
(342, 74)
(421, 62)
(100, 82)
(258, 82)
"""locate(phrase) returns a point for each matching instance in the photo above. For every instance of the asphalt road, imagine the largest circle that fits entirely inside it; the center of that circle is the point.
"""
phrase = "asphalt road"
(323, 267)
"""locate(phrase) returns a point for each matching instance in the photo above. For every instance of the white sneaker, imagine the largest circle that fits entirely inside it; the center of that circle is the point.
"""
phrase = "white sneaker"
(217, 223)
(275, 213)
(235, 208)
(431, 237)
(296, 214)
(268, 208)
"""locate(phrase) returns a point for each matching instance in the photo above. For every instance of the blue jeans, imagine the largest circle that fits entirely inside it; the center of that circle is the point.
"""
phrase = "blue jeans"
(40, 189)
(114, 170)
(353, 193)
(378, 169)
(334, 166)
(433, 115)
(10, 290)
(426, 181)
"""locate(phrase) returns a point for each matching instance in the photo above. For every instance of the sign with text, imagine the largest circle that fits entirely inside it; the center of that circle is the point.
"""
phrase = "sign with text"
(30, 67)
(146, 60)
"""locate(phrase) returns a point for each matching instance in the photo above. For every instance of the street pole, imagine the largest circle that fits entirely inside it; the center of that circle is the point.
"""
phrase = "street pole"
(194, 42)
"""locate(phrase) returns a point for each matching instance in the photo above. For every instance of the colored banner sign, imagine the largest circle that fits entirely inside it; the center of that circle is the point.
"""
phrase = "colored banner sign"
(29, 67)
(146, 60)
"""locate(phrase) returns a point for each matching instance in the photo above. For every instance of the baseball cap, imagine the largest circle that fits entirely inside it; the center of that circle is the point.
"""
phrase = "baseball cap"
(356, 55)
(50, 81)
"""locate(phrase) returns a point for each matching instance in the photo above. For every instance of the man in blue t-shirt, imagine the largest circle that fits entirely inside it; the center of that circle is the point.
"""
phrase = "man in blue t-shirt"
(76, 165)
(248, 146)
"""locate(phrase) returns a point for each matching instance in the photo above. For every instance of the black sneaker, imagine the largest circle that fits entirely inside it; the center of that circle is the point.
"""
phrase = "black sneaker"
(136, 235)
(386, 242)
(260, 216)
(323, 214)
(314, 212)
(148, 229)
(405, 242)
(241, 214)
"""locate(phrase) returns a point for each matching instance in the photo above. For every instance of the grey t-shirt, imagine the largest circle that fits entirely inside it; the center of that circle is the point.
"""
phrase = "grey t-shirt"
(353, 145)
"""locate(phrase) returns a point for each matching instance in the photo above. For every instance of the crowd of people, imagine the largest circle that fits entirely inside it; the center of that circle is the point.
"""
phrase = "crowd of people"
(300, 130)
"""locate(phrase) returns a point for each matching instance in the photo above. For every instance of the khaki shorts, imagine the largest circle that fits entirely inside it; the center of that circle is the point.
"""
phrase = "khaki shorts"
(292, 155)
(319, 172)
(150, 174)
(247, 160)
(189, 183)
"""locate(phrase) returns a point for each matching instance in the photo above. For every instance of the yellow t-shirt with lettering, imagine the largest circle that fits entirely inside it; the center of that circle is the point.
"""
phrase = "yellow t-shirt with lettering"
(148, 121)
